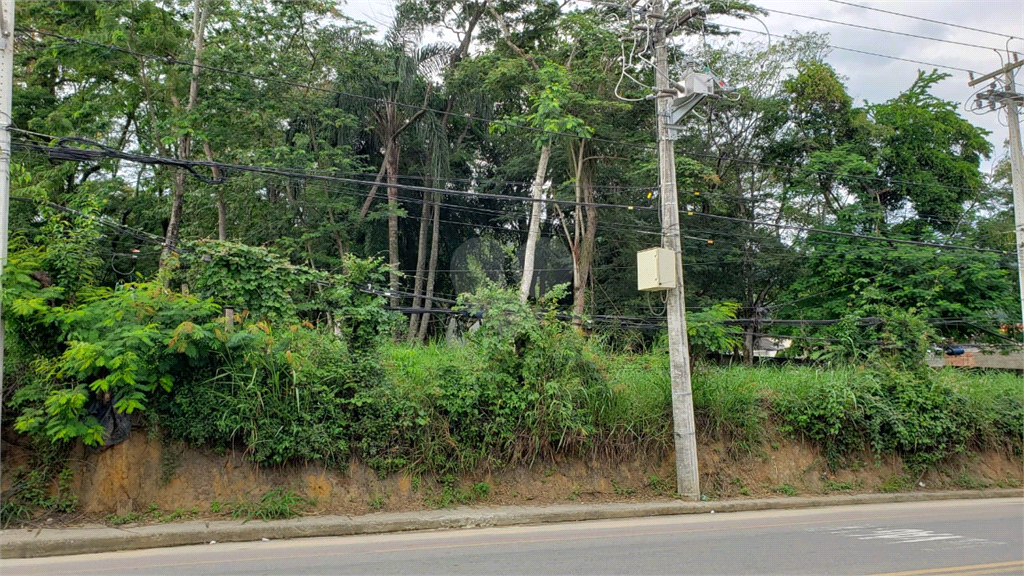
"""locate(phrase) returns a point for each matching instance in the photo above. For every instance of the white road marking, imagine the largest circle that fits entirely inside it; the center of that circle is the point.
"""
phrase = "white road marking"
(938, 540)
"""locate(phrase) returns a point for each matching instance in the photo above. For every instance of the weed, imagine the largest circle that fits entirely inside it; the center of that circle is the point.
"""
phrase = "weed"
(785, 489)
(744, 491)
(1010, 482)
(834, 486)
(33, 490)
(170, 460)
(657, 485)
(216, 507)
(129, 518)
(481, 490)
(965, 481)
(378, 502)
(451, 495)
(621, 490)
(179, 514)
(896, 483)
(276, 503)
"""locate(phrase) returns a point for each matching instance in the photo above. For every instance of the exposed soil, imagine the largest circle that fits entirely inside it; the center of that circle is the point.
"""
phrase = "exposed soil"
(147, 480)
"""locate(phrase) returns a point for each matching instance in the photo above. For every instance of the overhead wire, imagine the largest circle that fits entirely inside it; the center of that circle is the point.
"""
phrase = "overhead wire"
(224, 167)
(866, 52)
(883, 30)
(636, 145)
(628, 322)
(923, 19)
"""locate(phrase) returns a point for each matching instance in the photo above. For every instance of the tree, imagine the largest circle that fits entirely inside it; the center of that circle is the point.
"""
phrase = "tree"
(928, 154)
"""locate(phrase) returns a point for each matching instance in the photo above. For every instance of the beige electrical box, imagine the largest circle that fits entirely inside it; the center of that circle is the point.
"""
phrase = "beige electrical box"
(655, 270)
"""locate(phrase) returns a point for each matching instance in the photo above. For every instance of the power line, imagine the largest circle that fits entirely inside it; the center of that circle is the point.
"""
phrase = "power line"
(468, 116)
(873, 29)
(873, 9)
(845, 234)
(761, 254)
(66, 153)
(865, 52)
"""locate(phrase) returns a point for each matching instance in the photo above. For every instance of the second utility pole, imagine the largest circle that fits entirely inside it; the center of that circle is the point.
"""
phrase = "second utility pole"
(1010, 98)
(687, 477)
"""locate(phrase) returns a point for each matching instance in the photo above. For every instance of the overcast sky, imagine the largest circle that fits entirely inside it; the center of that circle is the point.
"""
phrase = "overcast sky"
(874, 78)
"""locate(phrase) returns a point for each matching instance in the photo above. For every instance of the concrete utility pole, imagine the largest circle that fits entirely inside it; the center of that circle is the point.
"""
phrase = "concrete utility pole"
(1011, 100)
(6, 86)
(687, 476)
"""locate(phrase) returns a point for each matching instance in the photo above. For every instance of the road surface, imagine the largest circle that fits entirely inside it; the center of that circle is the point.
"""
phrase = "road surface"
(947, 538)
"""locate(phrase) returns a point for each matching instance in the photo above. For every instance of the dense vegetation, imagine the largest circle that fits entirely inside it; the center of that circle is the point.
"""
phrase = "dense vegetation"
(314, 327)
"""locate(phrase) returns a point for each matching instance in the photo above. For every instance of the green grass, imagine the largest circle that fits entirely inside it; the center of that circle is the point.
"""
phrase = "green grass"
(274, 504)
(446, 410)
(785, 489)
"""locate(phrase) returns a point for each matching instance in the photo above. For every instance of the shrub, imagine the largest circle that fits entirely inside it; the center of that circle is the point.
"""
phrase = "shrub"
(281, 396)
(728, 406)
(524, 386)
(116, 353)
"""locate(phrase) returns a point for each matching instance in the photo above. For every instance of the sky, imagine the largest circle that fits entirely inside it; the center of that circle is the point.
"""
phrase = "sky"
(874, 78)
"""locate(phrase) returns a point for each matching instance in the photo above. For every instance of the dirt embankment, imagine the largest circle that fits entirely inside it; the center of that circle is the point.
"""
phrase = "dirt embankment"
(144, 474)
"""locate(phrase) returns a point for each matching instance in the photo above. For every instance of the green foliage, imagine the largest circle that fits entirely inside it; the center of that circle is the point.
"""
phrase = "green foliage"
(875, 333)
(914, 414)
(785, 489)
(250, 279)
(274, 504)
(548, 106)
(523, 387)
(728, 405)
(449, 493)
(930, 153)
(119, 347)
(708, 333)
(621, 490)
(896, 483)
(282, 396)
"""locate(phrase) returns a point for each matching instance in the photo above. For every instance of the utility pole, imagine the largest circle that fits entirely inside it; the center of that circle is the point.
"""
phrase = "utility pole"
(6, 86)
(684, 433)
(1011, 99)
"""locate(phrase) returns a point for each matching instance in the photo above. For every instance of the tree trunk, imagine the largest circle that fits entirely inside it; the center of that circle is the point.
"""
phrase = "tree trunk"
(421, 261)
(586, 253)
(535, 215)
(222, 207)
(337, 236)
(199, 15)
(174, 223)
(393, 260)
(431, 267)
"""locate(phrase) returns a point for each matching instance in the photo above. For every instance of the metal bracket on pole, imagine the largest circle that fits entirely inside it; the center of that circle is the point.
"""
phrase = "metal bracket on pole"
(691, 90)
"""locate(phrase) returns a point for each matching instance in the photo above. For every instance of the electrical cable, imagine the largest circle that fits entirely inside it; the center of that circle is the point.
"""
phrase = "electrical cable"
(607, 318)
(883, 30)
(637, 145)
(873, 9)
(867, 53)
(224, 167)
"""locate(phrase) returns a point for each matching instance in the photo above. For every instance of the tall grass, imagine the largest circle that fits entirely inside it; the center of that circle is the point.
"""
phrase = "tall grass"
(447, 408)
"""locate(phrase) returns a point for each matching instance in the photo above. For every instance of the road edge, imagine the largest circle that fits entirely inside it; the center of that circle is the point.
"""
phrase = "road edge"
(34, 543)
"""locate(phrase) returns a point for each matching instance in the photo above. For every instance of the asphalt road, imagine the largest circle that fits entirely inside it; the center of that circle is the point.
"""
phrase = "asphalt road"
(947, 538)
